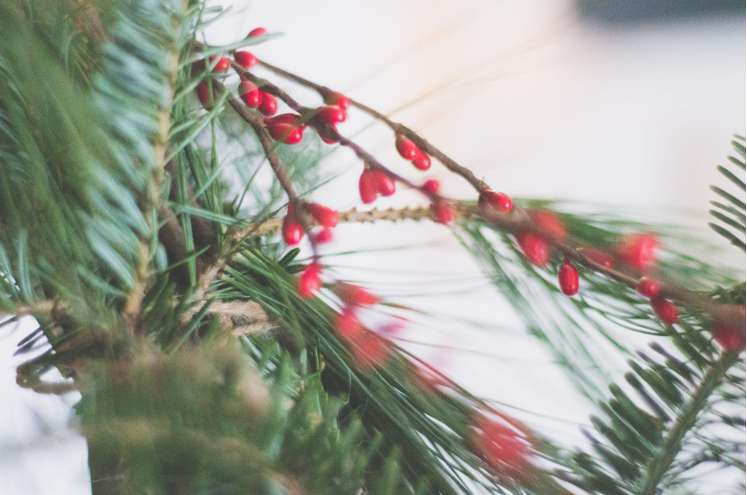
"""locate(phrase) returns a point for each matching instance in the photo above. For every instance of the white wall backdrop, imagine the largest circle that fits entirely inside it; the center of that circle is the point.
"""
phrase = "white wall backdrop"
(540, 103)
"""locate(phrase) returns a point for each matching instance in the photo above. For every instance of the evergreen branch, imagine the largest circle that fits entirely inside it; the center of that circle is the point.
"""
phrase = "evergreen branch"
(663, 459)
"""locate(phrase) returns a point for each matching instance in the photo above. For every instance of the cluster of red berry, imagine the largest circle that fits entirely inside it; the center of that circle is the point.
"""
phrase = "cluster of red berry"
(326, 217)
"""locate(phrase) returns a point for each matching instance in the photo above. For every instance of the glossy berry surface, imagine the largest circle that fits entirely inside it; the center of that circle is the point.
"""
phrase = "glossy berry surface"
(421, 161)
(337, 99)
(431, 186)
(535, 248)
(222, 65)
(406, 148)
(292, 231)
(568, 279)
(269, 105)
(250, 94)
(665, 310)
(257, 32)
(245, 59)
(309, 282)
(648, 287)
(331, 115)
(295, 137)
(496, 200)
(385, 184)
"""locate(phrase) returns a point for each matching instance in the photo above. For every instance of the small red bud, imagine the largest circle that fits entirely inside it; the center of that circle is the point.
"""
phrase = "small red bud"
(648, 287)
(331, 115)
(245, 59)
(666, 311)
(309, 281)
(250, 94)
(497, 200)
(324, 235)
(386, 185)
(406, 148)
(203, 94)
(326, 217)
(729, 338)
(638, 250)
(443, 213)
(222, 65)
(337, 99)
(295, 137)
(348, 325)
(535, 248)
(568, 279)
(269, 105)
(431, 186)
(256, 32)
(368, 186)
(421, 161)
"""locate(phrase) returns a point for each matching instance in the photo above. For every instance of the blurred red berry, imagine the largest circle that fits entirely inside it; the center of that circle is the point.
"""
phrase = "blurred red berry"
(431, 186)
(355, 295)
(331, 115)
(648, 287)
(245, 59)
(406, 148)
(269, 105)
(326, 217)
(203, 94)
(370, 350)
(250, 94)
(295, 137)
(730, 338)
(638, 250)
(535, 248)
(222, 65)
(337, 99)
(257, 32)
(443, 213)
(568, 278)
(599, 257)
(386, 185)
(665, 310)
(324, 235)
(501, 445)
(309, 282)
(292, 230)
(550, 224)
(347, 324)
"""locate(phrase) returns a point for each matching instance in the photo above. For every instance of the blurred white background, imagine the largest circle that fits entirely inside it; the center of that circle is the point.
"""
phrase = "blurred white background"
(539, 99)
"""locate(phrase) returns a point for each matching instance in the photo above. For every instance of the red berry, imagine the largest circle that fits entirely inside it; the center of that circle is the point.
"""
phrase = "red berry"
(443, 213)
(326, 217)
(497, 200)
(337, 99)
(250, 94)
(292, 231)
(324, 235)
(638, 250)
(729, 338)
(331, 115)
(269, 105)
(568, 279)
(550, 224)
(406, 148)
(309, 281)
(245, 59)
(501, 445)
(371, 350)
(355, 296)
(368, 186)
(431, 186)
(281, 131)
(222, 65)
(666, 311)
(386, 185)
(256, 32)
(295, 137)
(326, 136)
(203, 94)
(535, 248)
(648, 287)
(286, 118)
(599, 257)
(348, 325)
(421, 161)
